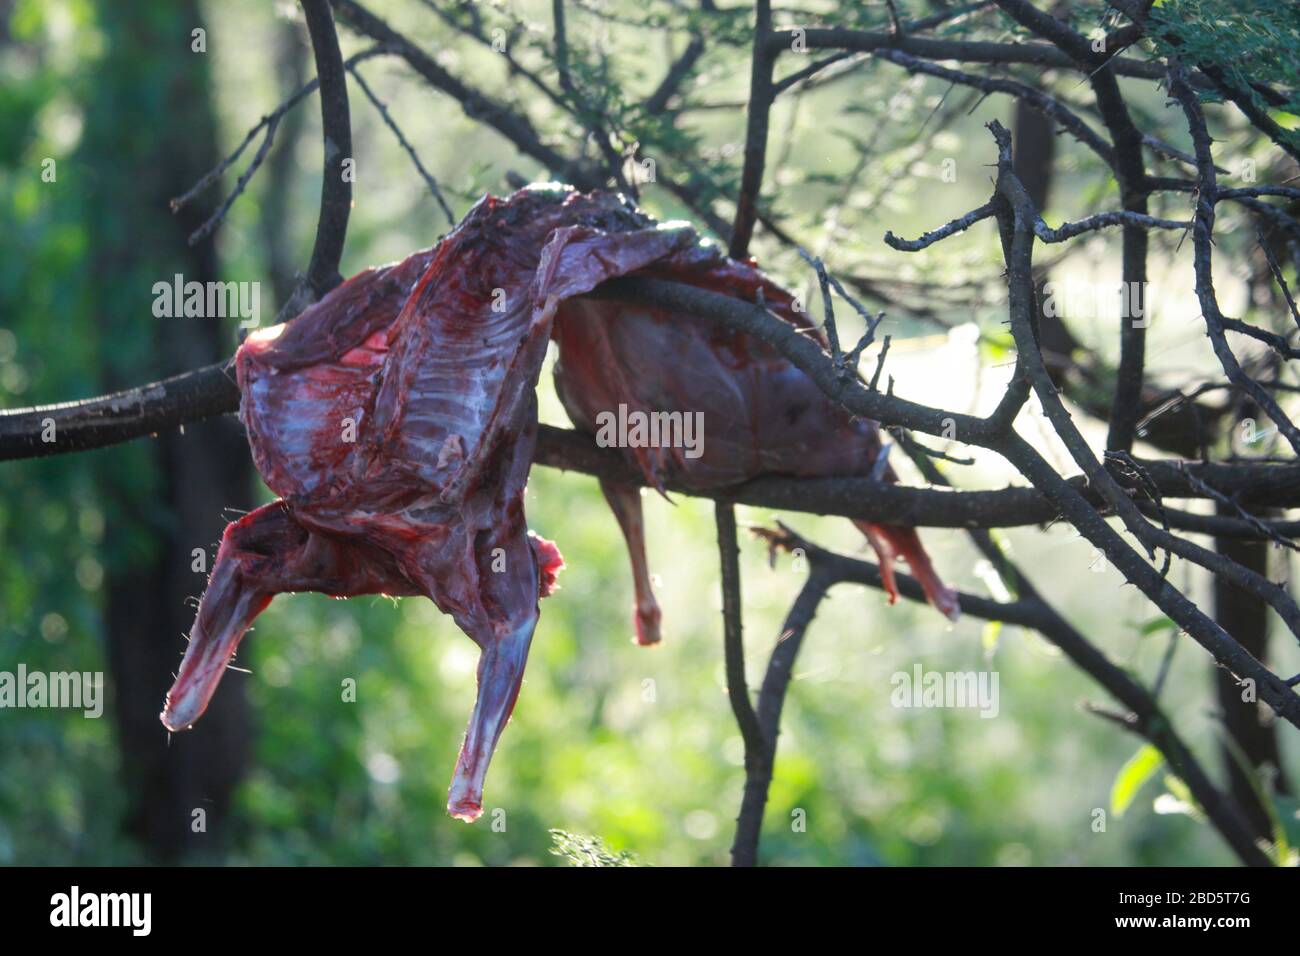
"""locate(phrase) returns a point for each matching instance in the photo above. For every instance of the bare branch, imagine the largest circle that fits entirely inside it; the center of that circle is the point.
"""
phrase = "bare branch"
(1144, 718)
(761, 94)
(1202, 232)
(681, 68)
(960, 224)
(407, 147)
(336, 128)
(734, 652)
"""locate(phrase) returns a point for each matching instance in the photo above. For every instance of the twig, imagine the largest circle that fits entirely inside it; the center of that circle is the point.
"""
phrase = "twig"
(914, 448)
(515, 127)
(1202, 233)
(827, 568)
(1049, 106)
(1265, 530)
(960, 224)
(1276, 272)
(734, 653)
(811, 70)
(681, 68)
(211, 223)
(880, 362)
(828, 308)
(336, 129)
(763, 61)
(1103, 220)
(401, 139)
(214, 174)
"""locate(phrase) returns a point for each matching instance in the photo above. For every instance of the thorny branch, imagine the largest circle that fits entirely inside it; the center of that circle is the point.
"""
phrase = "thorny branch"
(194, 396)
(269, 123)
(759, 107)
(382, 108)
(1136, 493)
(336, 182)
(1029, 610)
(742, 854)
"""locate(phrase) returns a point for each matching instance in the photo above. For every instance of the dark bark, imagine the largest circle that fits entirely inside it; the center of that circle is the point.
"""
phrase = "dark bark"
(166, 498)
(1251, 744)
(760, 105)
(336, 130)
(761, 763)
(743, 852)
(1035, 157)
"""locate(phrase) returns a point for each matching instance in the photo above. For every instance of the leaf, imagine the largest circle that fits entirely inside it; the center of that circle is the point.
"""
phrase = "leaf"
(1285, 812)
(581, 850)
(989, 637)
(1136, 771)
(1288, 121)
(996, 346)
(1158, 624)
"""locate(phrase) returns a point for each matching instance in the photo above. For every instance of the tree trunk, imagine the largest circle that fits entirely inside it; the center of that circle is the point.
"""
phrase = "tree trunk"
(150, 134)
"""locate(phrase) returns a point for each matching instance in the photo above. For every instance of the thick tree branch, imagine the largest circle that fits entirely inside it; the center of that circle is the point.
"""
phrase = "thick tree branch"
(771, 701)
(159, 406)
(1145, 718)
(1203, 245)
(336, 128)
(760, 105)
(965, 51)
(734, 653)
(515, 127)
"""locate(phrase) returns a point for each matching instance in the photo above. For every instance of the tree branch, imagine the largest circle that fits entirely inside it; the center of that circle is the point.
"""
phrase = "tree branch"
(760, 104)
(515, 127)
(827, 568)
(336, 128)
(734, 653)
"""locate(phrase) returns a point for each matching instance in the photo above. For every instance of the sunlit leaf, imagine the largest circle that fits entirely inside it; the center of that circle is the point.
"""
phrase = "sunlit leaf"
(1136, 771)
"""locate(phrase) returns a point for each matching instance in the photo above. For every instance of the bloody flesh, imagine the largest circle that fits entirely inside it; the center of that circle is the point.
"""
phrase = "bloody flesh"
(396, 419)
(760, 414)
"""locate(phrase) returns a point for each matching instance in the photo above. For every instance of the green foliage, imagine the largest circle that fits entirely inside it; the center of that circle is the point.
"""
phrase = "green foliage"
(635, 745)
(1285, 812)
(1255, 42)
(1137, 770)
(58, 793)
(579, 850)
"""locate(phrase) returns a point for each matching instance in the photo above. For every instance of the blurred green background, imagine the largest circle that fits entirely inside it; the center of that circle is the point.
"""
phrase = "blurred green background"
(635, 746)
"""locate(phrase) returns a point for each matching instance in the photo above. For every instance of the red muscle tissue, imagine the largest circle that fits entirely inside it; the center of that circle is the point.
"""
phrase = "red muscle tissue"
(396, 419)
(759, 415)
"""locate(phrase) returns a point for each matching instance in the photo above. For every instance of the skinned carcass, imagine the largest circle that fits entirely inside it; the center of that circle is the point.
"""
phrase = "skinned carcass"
(397, 419)
(759, 414)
